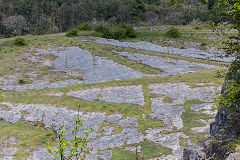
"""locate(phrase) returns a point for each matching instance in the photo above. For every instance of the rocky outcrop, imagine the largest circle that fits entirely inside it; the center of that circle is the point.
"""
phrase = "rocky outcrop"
(227, 122)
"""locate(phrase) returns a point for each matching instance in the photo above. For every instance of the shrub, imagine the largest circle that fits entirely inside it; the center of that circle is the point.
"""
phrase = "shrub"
(197, 27)
(130, 32)
(104, 31)
(23, 81)
(119, 33)
(72, 33)
(75, 148)
(19, 41)
(85, 27)
(173, 32)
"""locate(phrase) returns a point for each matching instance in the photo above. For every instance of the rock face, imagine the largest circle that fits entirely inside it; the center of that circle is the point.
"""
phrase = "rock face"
(190, 155)
(227, 124)
(224, 123)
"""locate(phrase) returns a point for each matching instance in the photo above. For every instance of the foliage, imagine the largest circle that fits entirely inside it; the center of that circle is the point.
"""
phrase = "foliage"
(232, 12)
(85, 27)
(46, 16)
(130, 32)
(19, 41)
(72, 33)
(173, 32)
(76, 146)
(16, 24)
(103, 31)
(230, 96)
(119, 32)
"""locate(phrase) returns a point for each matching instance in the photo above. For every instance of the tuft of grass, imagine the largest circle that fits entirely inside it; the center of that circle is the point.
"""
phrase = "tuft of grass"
(19, 41)
(152, 150)
(167, 99)
(119, 154)
(183, 142)
(144, 124)
(4, 107)
(24, 81)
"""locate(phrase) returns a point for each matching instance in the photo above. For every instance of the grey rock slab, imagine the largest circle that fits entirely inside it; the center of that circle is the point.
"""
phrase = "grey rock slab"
(8, 151)
(204, 129)
(87, 95)
(167, 65)
(7, 158)
(188, 52)
(107, 130)
(207, 107)
(169, 114)
(133, 149)
(168, 140)
(128, 122)
(40, 153)
(113, 118)
(168, 157)
(120, 94)
(55, 117)
(92, 69)
(181, 92)
(13, 115)
(128, 135)
(234, 156)
(152, 131)
(106, 155)
(10, 140)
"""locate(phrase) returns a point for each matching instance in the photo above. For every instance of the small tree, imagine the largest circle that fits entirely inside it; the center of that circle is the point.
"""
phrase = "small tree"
(71, 149)
(16, 24)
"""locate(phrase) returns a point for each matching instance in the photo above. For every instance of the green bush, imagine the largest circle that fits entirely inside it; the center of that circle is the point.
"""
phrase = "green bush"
(197, 27)
(104, 31)
(130, 32)
(173, 32)
(72, 33)
(119, 33)
(19, 41)
(85, 27)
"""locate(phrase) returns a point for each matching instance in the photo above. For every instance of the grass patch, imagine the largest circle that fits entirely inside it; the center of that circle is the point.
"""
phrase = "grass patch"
(149, 122)
(4, 107)
(29, 137)
(183, 142)
(191, 119)
(167, 99)
(119, 154)
(151, 150)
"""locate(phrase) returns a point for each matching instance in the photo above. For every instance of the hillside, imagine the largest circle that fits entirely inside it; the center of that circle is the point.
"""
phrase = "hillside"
(147, 96)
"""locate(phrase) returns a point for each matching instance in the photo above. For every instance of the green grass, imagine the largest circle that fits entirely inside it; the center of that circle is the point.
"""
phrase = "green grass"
(32, 137)
(119, 154)
(151, 150)
(29, 136)
(144, 124)
(191, 119)
(148, 149)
